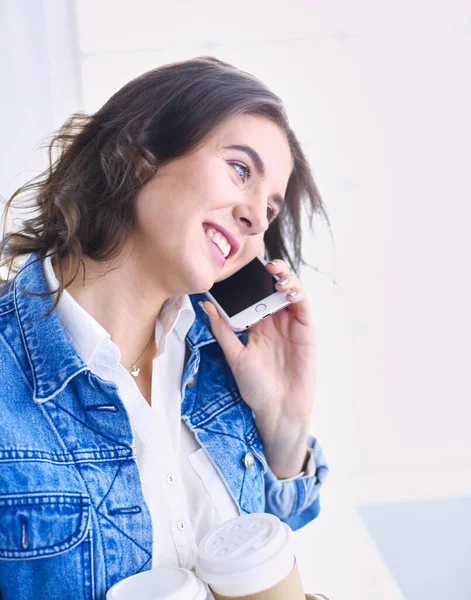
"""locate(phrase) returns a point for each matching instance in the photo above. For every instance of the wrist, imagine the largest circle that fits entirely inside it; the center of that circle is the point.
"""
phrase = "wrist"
(282, 427)
(285, 444)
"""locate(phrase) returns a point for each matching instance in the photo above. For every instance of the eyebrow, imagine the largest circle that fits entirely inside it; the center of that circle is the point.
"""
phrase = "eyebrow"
(259, 166)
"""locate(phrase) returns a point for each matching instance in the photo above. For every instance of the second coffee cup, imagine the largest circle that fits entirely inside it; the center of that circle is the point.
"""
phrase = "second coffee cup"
(170, 583)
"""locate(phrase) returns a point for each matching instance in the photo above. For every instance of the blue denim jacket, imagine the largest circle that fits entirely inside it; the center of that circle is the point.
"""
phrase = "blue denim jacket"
(73, 520)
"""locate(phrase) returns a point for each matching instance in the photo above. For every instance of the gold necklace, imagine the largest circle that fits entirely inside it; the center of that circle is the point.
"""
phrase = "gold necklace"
(135, 369)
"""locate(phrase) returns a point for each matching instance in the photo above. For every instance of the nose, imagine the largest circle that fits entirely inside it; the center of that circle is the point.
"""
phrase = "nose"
(252, 217)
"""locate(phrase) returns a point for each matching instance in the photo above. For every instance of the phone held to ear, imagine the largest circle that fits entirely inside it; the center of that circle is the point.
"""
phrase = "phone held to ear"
(248, 296)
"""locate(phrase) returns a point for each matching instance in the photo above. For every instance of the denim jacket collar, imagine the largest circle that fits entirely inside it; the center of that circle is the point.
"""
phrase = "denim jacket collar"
(53, 359)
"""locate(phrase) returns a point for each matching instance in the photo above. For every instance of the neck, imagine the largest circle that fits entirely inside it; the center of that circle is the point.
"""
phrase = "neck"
(122, 299)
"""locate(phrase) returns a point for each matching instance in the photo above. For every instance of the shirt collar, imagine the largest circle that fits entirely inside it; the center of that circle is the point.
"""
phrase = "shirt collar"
(82, 330)
(177, 313)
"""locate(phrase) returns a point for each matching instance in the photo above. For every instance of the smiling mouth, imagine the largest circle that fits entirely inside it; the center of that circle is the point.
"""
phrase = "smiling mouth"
(219, 240)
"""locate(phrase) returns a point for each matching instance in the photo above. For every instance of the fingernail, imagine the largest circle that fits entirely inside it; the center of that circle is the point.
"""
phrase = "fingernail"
(271, 262)
(292, 293)
(282, 282)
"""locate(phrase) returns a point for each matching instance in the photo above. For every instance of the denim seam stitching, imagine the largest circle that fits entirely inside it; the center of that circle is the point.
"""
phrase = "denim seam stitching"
(99, 528)
(230, 435)
(88, 427)
(49, 454)
(7, 311)
(59, 389)
(140, 570)
(241, 488)
(242, 415)
(216, 413)
(15, 358)
(64, 463)
(49, 495)
(92, 565)
(125, 534)
(204, 410)
(118, 471)
(83, 570)
(22, 333)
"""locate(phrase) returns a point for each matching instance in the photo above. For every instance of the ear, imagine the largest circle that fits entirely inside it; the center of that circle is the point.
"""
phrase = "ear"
(144, 169)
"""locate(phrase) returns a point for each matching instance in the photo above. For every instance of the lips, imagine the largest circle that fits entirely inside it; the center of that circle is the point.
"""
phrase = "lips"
(227, 234)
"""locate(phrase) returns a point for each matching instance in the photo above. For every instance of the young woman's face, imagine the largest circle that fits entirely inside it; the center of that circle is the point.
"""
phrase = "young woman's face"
(215, 184)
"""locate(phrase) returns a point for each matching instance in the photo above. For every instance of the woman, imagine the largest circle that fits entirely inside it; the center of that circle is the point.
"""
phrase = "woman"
(133, 419)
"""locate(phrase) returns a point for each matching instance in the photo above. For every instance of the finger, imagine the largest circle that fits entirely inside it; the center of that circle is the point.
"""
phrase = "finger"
(301, 307)
(277, 266)
(288, 281)
(228, 340)
(280, 269)
(295, 295)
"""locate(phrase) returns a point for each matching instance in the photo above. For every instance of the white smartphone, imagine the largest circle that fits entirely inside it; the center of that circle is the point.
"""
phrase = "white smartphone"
(248, 296)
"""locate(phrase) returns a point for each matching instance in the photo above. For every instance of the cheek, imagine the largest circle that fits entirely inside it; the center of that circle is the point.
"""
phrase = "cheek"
(254, 247)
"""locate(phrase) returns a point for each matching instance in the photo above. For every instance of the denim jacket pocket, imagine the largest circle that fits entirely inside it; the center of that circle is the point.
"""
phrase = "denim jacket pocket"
(42, 524)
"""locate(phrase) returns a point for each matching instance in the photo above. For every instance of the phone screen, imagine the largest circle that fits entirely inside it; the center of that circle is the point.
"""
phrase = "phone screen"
(244, 288)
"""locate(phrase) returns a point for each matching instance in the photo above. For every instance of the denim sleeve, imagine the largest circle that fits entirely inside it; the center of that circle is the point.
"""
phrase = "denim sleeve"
(295, 501)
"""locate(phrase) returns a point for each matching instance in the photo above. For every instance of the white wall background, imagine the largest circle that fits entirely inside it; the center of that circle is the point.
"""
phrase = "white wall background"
(40, 82)
(380, 95)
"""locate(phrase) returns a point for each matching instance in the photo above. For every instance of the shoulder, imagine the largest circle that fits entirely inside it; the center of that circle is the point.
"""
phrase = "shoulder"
(14, 367)
(10, 335)
(9, 329)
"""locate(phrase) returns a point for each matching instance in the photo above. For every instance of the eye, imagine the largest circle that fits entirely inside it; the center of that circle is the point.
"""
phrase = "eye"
(244, 169)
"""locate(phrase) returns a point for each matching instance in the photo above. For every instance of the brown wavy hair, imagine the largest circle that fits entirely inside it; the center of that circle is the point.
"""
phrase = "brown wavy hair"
(83, 203)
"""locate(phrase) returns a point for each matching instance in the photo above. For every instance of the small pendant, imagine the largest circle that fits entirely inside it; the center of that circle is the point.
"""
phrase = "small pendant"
(135, 371)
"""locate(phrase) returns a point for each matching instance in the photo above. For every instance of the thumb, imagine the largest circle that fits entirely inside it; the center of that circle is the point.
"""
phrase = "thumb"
(229, 342)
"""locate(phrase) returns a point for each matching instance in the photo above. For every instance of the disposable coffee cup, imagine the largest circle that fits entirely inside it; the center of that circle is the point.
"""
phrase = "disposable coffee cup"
(250, 557)
(171, 583)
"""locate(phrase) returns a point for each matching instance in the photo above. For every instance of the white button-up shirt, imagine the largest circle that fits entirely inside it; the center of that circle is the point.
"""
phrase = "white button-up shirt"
(185, 494)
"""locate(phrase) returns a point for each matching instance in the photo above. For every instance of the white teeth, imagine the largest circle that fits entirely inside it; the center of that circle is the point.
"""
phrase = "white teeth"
(225, 250)
(219, 239)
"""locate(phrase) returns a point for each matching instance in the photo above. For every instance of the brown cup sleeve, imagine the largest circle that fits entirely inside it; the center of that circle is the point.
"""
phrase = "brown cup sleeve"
(291, 587)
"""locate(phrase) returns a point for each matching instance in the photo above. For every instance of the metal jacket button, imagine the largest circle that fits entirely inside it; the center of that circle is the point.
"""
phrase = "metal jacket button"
(249, 460)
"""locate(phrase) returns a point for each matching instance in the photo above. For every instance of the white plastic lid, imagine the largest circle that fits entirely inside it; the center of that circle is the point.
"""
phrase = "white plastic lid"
(246, 555)
(170, 583)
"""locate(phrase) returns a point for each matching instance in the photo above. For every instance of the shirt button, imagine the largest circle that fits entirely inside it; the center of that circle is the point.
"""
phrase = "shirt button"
(249, 460)
(181, 525)
(191, 382)
(170, 479)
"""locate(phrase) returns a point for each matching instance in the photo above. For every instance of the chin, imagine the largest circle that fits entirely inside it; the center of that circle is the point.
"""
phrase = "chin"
(231, 269)
(199, 285)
